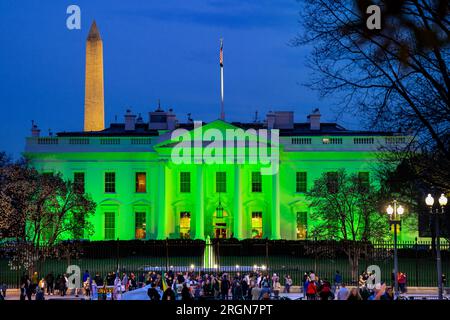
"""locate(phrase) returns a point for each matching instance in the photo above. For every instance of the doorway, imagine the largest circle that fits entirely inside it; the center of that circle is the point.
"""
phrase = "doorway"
(220, 230)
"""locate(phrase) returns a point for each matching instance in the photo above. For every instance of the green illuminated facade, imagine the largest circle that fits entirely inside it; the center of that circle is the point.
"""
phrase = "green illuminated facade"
(142, 194)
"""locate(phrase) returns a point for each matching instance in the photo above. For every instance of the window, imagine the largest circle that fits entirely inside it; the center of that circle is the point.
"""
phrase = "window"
(364, 181)
(332, 182)
(363, 140)
(140, 225)
(221, 182)
(256, 182)
(185, 225)
(302, 225)
(301, 141)
(300, 182)
(78, 182)
(257, 226)
(332, 140)
(110, 225)
(141, 183)
(110, 182)
(185, 182)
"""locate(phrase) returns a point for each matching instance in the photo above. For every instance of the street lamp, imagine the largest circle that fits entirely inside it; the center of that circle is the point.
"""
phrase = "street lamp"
(219, 209)
(395, 212)
(429, 200)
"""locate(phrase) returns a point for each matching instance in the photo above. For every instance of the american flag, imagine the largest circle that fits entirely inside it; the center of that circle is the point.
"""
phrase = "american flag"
(221, 53)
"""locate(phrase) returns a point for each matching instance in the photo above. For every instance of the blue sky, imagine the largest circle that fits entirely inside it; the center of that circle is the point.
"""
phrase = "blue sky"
(166, 50)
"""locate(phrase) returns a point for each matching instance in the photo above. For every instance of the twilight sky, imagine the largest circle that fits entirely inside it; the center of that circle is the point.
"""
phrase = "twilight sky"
(166, 50)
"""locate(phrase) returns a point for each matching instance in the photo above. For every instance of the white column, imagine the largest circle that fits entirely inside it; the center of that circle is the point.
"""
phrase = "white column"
(199, 204)
(275, 216)
(161, 228)
(237, 204)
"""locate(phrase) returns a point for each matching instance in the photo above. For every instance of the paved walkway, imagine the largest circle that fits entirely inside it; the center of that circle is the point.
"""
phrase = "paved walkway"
(141, 294)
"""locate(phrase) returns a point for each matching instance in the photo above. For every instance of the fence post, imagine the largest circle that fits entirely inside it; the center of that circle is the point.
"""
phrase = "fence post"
(167, 254)
(117, 255)
(417, 263)
(218, 256)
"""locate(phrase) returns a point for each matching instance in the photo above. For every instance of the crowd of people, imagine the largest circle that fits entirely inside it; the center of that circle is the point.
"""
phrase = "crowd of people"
(173, 285)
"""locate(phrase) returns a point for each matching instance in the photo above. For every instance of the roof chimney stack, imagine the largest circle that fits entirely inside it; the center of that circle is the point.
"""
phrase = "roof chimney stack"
(130, 121)
(270, 118)
(314, 119)
(35, 131)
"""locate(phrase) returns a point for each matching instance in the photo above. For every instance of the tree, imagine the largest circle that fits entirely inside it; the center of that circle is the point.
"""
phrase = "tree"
(346, 209)
(38, 210)
(397, 77)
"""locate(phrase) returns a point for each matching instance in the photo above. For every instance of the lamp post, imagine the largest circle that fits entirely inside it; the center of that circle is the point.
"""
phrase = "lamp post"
(395, 212)
(429, 200)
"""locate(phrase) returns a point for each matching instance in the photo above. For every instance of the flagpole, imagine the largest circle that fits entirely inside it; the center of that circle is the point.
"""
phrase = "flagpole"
(222, 111)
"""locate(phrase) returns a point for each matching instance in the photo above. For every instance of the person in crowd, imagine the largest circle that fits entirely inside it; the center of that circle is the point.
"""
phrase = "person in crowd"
(354, 295)
(276, 288)
(87, 287)
(24, 284)
(3, 289)
(94, 290)
(311, 291)
(365, 293)
(305, 282)
(50, 281)
(325, 292)
(98, 280)
(39, 294)
(265, 296)
(343, 292)
(117, 291)
(86, 275)
(208, 290)
(225, 287)
(126, 283)
(141, 281)
(265, 286)
(152, 293)
(34, 282)
(237, 291)
(169, 294)
(256, 291)
(287, 284)
(337, 280)
(132, 282)
(42, 285)
(216, 287)
(402, 282)
(186, 293)
(63, 285)
(388, 295)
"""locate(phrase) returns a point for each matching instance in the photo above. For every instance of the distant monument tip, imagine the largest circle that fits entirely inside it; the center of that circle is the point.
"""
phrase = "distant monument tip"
(94, 34)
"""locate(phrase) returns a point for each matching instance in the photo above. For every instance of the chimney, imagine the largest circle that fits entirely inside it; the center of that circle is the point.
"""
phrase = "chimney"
(130, 121)
(270, 118)
(171, 120)
(314, 119)
(35, 131)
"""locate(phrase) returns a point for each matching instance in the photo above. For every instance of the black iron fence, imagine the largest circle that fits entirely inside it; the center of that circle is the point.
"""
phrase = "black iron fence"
(294, 258)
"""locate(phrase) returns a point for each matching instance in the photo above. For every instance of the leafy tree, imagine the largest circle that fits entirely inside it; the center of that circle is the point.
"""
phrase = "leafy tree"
(346, 209)
(38, 210)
